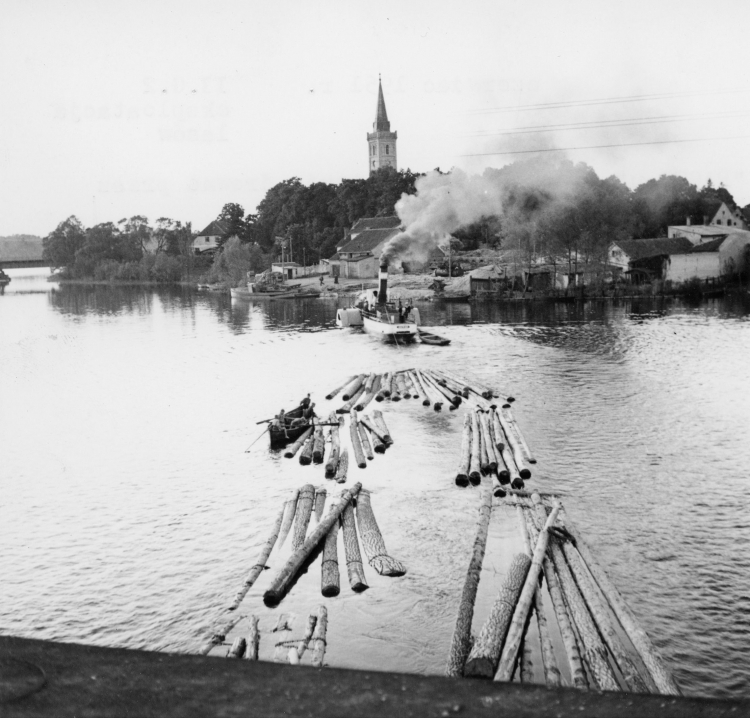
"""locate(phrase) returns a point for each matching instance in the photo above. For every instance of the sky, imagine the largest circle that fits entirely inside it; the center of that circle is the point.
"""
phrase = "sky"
(172, 109)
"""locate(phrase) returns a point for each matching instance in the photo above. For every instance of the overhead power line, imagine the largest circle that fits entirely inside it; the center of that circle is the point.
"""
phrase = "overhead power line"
(531, 129)
(599, 147)
(604, 101)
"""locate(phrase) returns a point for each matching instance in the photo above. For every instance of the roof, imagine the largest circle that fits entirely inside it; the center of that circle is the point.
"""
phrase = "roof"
(699, 228)
(367, 240)
(643, 248)
(216, 228)
(376, 223)
(488, 272)
(381, 123)
(711, 246)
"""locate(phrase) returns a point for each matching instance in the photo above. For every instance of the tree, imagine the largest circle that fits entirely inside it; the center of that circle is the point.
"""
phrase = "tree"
(61, 245)
(232, 216)
(136, 230)
(658, 203)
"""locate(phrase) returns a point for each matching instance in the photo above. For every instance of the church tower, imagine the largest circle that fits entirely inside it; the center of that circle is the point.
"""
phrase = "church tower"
(381, 143)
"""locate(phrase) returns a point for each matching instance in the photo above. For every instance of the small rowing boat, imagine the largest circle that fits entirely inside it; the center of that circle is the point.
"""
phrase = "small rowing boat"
(290, 425)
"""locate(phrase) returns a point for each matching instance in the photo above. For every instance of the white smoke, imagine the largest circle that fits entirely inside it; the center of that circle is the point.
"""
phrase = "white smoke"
(444, 203)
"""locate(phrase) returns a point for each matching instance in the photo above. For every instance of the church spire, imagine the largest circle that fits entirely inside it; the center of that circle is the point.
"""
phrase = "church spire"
(381, 123)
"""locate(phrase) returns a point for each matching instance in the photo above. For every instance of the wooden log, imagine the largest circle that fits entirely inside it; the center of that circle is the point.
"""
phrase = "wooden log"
(410, 387)
(376, 431)
(420, 387)
(486, 650)
(333, 457)
(320, 502)
(369, 382)
(449, 383)
(385, 387)
(305, 456)
(353, 387)
(561, 614)
(372, 540)
(484, 461)
(594, 652)
(354, 567)
(346, 408)
(474, 385)
(475, 471)
(274, 594)
(526, 662)
(329, 572)
(518, 624)
(281, 648)
(304, 511)
(552, 676)
(651, 658)
(461, 640)
(312, 621)
(218, 635)
(434, 398)
(319, 445)
(343, 468)
(359, 454)
(513, 446)
(369, 395)
(487, 443)
(260, 562)
(510, 472)
(600, 614)
(453, 396)
(497, 487)
(498, 435)
(319, 638)
(365, 441)
(449, 397)
(339, 388)
(405, 384)
(253, 640)
(294, 448)
(290, 508)
(377, 443)
(237, 649)
(507, 414)
(386, 436)
(462, 473)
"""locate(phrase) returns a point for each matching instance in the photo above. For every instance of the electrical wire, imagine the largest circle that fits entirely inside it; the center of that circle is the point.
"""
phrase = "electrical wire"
(599, 147)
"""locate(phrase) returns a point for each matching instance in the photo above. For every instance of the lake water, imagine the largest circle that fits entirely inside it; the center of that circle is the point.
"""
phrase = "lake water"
(131, 511)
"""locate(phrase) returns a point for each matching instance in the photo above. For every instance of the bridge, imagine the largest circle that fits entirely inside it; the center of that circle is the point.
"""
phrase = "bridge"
(20, 253)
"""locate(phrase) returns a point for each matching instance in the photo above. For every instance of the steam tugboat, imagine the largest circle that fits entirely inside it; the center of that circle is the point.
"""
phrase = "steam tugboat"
(390, 320)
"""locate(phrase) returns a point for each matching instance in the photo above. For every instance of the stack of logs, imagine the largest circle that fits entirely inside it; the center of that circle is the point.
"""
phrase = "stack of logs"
(591, 614)
(305, 505)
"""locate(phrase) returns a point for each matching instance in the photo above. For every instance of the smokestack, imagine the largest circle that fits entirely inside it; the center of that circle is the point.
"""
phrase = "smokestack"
(383, 286)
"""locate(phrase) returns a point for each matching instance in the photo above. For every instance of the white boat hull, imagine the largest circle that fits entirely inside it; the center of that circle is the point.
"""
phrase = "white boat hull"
(390, 330)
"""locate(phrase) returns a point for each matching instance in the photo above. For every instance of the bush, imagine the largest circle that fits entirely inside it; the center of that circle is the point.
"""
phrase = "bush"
(234, 261)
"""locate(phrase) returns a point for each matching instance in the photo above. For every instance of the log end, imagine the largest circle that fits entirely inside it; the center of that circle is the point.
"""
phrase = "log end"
(330, 591)
(362, 465)
(479, 667)
(462, 480)
(510, 399)
(379, 397)
(271, 599)
(475, 479)
(499, 492)
(525, 474)
(504, 476)
(380, 449)
(305, 460)
(288, 455)
(425, 402)
(359, 586)
(517, 483)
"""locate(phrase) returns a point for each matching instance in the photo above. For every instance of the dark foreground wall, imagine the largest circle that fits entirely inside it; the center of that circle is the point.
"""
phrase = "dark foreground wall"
(40, 678)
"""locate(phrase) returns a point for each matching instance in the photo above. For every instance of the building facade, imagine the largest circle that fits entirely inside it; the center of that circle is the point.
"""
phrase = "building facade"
(381, 142)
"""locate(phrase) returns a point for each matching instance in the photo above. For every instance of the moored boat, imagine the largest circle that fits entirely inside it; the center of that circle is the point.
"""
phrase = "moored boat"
(290, 425)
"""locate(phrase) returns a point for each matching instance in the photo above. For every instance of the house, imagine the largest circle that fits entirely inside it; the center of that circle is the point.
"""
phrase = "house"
(208, 240)
(725, 216)
(642, 258)
(359, 254)
(292, 270)
(720, 257)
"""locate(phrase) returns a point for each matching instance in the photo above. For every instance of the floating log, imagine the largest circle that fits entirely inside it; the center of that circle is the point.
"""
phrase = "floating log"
(385, 384)
(485, 652)
(552, 676)
(513, 446)
(219, 635)
(319, 445)
(369, 382)
(487, 443)
(343, 386)
(510, 473)
(343, 468)
(359, 454)
(281, 649)
(452, 399)
(329, 573)
(507, 414)
(294, 448)
(594, 651)
(461, 641)
(660, 674)
(600, 614)
(333, 458)
(253, 640)
(320, 502)
(365, 441)
(401, 385)
(455, 397)
(561, 613)
(265, 552)
(274, 594)
(410, 386)
(354, 566)
(518, 625)
(433, 397)
(484, 460)
(376, 431)
(372, 540)
(462, 473)
(377, 417)
(420, 387)
(450, 383)
(473, 385)
(312, 621)
(369, 395)
(353, 387)
(238, 648)
(377, 443)
(475, 471)
(346, 408)
(290, 508)
(497, 487)
(305, 456)
(304, 511)
(406, 383)
(526, 663)
(319, 638)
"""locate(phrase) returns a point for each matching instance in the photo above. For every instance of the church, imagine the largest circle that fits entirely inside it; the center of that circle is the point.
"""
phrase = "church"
(381, 142)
